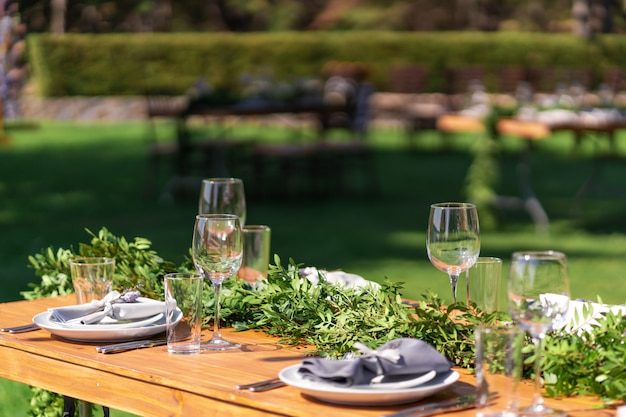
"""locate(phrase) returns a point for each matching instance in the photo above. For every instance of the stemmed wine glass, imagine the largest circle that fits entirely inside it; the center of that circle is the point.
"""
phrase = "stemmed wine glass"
(538, 293)
(453, 241)
(217, 252)
(223, 196)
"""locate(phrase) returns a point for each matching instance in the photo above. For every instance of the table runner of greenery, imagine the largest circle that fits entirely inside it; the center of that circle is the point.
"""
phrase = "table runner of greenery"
(330, 318)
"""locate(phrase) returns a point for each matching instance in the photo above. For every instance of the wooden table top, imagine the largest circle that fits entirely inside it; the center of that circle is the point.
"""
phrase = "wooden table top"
(152, 382)
(525, 129)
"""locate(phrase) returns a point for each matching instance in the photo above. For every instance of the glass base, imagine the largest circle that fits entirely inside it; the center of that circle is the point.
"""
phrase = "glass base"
(541, 411)
(219, 344)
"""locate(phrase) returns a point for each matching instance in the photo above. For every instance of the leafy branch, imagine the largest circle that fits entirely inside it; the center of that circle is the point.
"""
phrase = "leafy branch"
(136, 265)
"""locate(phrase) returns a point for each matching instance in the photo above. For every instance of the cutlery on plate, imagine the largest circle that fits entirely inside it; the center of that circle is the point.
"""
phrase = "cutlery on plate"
(464, 402)
(21, 329)
(265, 385)
(137, 344)
(399, 383)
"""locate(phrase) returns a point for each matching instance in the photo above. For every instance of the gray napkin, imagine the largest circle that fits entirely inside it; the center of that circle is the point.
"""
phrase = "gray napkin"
(113, 306)
(399, 357)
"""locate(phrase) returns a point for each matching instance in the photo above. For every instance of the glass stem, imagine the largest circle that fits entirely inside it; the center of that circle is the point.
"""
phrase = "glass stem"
(454, 278)
(216, 323)
(537, 397)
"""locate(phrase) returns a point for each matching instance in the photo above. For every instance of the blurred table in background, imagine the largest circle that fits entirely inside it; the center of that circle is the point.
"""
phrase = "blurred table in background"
(532, 126)
(317, 164)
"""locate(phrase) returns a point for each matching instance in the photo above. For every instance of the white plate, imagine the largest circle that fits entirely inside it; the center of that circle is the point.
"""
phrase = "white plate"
(104, 332)
(365, 394)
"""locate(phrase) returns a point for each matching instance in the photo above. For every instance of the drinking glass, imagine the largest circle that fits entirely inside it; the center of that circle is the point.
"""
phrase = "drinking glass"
(256, 252)
(483, 283)
(223, 196)
(92, 278)
(538, 294)
(217, 253)
(453, 241)
(183, 307)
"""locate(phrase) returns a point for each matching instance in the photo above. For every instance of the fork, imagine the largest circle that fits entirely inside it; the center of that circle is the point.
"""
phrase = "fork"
(265, 385)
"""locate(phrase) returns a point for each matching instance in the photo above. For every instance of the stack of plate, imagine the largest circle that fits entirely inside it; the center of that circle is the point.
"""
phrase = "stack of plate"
(108, 330)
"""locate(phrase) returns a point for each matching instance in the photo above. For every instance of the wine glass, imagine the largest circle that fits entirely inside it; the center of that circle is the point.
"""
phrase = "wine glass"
(538, 293)
(223, 196)
(453, 241)
(217, 253)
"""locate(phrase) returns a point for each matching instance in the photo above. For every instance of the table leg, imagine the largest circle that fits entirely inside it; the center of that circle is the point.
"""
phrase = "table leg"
(528, 201)
(85, 409)
(69, 406)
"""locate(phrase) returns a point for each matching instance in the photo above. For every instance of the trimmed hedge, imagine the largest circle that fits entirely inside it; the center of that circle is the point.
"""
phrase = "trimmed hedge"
(131, 64)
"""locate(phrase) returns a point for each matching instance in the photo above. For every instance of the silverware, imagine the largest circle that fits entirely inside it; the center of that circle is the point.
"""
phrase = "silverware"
(268, 387)
(265, 385)
(272, 383)
(464, 402)
(137, 344)
(21, 329)
(258, 384)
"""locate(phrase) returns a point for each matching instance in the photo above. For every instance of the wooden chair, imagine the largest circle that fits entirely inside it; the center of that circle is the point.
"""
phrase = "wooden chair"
(509, 77)
(342, 157)
(418, 114)
(460, 78)
(582, 76)
(543, 79)
(285, 171)
(459, 81)
(407, 79)
(615, 78)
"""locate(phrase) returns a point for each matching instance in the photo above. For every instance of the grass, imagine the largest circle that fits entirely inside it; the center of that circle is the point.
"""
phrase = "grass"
(56, 179)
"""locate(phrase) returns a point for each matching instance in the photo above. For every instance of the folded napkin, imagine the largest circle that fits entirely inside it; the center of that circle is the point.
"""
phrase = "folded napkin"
(341, 278)
(114, 306)
(403, 356)
(583, 315)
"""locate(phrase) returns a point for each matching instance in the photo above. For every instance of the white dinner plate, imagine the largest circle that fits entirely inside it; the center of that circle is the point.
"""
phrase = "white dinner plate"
(103, 332)
(365, 394)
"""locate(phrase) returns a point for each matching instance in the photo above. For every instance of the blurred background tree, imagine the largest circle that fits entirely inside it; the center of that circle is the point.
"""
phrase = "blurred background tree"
(583, 17)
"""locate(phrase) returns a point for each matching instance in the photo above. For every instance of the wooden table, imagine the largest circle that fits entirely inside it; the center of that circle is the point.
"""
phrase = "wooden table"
(527, 201)
(533, 131)
(152, 382)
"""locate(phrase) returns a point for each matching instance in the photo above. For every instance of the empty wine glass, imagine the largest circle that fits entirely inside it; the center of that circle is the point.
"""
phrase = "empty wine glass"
(223, 196)
(217, 253)
(453, 241)
(538, 294)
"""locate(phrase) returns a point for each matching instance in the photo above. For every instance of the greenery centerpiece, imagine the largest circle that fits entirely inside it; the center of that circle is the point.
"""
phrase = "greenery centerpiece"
(328, 318)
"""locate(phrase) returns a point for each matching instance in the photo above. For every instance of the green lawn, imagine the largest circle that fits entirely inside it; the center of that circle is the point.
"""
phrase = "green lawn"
(56, 179)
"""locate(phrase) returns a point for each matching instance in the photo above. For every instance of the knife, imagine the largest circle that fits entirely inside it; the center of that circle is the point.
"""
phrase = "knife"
(446, 406)
(21, 329)
(137, 344)
(259, 384)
